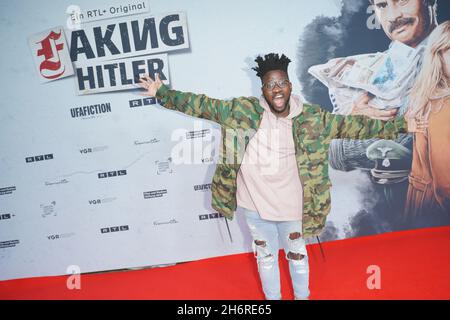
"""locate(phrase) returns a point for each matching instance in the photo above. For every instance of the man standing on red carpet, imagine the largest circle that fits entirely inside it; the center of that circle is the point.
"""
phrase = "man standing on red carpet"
(274, 164)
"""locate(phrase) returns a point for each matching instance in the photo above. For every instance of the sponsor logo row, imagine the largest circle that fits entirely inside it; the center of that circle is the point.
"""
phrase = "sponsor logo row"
(105, 230)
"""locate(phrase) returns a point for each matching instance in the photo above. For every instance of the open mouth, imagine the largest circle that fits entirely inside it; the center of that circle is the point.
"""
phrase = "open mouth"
(279, 101)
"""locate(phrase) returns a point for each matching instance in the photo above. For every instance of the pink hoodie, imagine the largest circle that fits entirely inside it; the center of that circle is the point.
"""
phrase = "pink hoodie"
(268, 181)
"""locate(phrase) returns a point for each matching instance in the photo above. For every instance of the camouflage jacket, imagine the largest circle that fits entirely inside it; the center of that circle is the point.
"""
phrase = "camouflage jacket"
(312, 132)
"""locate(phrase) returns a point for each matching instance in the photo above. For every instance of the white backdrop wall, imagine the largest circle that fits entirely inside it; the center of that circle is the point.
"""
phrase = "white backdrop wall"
(56, 212)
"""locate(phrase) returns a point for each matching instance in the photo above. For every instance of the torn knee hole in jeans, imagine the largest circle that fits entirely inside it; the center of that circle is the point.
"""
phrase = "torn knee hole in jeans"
(295, 256)
(260, 248)
(297, 247)
(260, 243)
(263, 255)
(295, 235)
(298, 261)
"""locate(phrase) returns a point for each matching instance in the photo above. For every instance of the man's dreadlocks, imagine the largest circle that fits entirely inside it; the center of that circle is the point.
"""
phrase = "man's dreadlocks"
(271, 61)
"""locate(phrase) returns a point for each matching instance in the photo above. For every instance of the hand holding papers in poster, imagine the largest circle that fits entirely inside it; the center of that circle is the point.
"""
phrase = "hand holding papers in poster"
(388, 76)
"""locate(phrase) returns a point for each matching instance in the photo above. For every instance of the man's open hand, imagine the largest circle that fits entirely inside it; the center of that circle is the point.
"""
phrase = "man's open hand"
(151, 86)
(362, 107)
(417, 124)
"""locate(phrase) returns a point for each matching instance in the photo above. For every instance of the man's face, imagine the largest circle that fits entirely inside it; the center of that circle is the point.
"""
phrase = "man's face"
(408, 21)
(277, 90)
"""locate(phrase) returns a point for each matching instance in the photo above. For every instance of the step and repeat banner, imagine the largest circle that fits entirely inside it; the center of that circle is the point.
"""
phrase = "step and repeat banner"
(95, 176)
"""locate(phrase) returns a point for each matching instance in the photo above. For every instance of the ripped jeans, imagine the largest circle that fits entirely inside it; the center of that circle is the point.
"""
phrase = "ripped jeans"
(266, 235)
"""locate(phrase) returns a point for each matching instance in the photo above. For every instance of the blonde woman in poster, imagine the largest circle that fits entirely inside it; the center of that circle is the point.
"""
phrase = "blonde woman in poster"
(429, 180)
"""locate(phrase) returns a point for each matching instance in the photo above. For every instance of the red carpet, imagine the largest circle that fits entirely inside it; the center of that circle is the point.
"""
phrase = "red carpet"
(414, 264)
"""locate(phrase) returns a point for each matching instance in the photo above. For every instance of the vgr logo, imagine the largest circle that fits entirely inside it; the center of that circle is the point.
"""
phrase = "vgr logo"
(39, 158)
(88, 150)
(93, 149)
(101, 201)
(60, 236)
(214, 215)
(115, 229)
(207, 160)
(111, 174)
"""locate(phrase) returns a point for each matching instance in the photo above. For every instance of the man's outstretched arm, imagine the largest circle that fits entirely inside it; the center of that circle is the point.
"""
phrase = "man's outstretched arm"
(196, 105)
(361, 127)
(369, 123)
